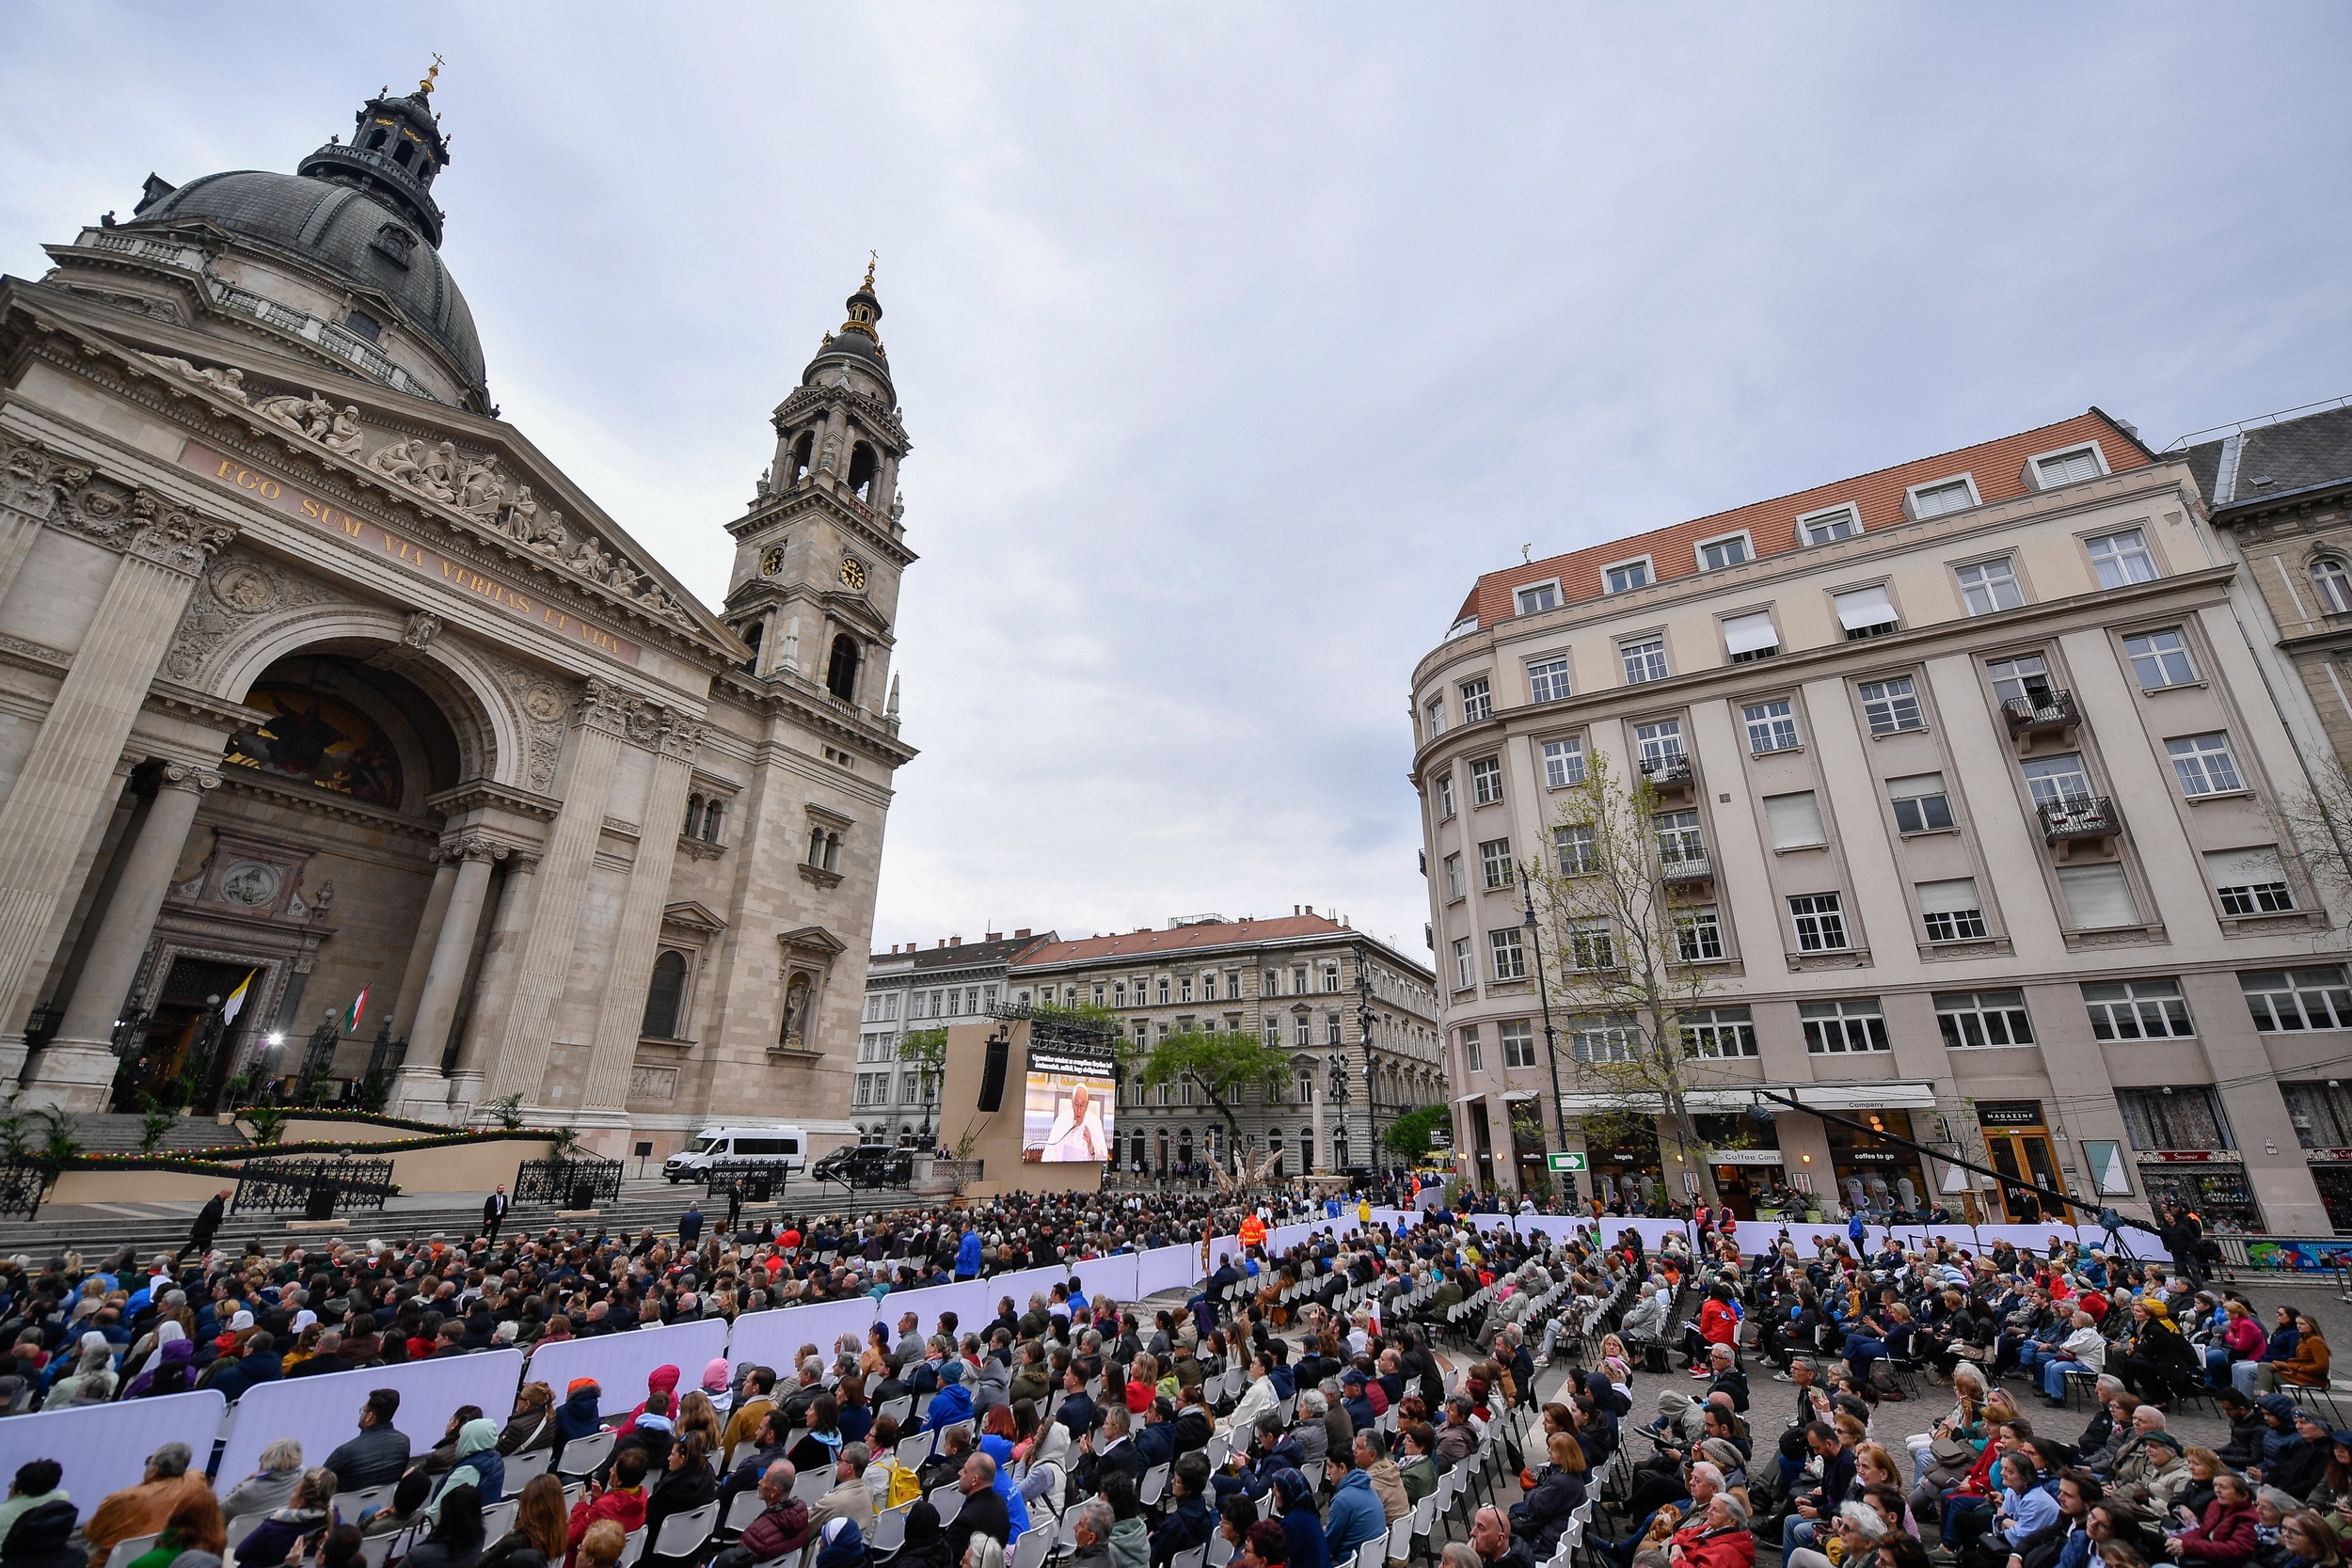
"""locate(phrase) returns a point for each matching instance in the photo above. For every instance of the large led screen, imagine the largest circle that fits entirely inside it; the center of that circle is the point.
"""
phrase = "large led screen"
(1067, 1109)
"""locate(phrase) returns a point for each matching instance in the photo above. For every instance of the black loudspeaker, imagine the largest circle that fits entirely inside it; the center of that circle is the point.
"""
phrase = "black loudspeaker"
(993, 1075)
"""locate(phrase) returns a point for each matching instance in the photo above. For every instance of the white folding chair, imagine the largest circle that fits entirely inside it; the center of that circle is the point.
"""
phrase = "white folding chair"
(810, 1486)
(947, 1499)
(1400, 1539)
(748, 1505)
(682, 1534)
(137, 1546)
(899, 1410)
(498, 1518)
(243, 1526)
(890, 1532)
(913, 1451)
(349, 1505)
(1220, 1550)
(521, 1470)
(582, 1455)
(1197, 1557)
(632, 1549)
(1030, 1546)
(1155, 1484)
(373, 1549)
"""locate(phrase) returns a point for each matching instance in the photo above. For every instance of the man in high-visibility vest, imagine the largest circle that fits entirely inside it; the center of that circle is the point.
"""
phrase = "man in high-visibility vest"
(1252, 1231)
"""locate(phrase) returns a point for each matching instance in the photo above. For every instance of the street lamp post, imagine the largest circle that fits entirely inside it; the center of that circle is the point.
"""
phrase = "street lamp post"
(1543, 990)
(1364, 1033)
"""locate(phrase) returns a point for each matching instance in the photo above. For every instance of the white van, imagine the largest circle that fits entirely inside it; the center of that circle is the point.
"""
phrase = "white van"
(785, 1148)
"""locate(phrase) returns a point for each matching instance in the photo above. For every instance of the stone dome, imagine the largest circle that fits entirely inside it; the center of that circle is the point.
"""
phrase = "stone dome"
(344, 233)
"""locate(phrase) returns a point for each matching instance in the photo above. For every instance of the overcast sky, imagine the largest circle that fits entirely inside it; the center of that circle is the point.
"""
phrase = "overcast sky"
(1236, 340)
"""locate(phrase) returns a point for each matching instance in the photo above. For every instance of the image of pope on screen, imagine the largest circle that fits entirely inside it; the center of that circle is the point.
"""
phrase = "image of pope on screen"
(1066, 1117)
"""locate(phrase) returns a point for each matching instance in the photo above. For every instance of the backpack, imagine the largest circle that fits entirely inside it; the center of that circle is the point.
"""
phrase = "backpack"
(905, 1486)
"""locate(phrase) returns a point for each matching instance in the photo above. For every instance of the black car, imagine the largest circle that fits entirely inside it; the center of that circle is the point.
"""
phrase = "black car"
(867, 1166)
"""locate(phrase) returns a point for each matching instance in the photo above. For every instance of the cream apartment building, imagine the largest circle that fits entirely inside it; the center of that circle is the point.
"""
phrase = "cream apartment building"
(1970, 770)
(1337, 1000)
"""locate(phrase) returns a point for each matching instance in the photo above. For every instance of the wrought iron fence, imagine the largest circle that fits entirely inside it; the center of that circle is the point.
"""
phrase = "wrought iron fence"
(22, 1182)
(763, 1179)
(578, 1181)
(314, 1188)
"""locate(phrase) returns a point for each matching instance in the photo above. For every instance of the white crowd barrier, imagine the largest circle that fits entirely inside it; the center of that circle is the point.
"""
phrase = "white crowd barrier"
(620, 1363)
(103, 1447)
(323, 1412)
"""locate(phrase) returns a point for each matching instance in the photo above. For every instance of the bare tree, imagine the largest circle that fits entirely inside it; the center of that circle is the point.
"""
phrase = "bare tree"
(1618, 897)
(2318, 820)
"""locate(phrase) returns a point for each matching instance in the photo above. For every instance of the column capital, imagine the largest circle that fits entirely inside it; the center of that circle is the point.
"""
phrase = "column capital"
(193, 777)
(470, 847)
(131, 519)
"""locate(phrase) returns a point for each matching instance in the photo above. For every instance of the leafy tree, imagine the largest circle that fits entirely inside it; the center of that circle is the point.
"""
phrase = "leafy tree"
(507, 1111)
(57, 1134)
(1622, 955)
(1227, 1063)
(1408, 1134)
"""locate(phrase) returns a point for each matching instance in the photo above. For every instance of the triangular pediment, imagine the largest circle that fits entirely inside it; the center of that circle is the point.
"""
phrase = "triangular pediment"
(694, 916)
(813, 939)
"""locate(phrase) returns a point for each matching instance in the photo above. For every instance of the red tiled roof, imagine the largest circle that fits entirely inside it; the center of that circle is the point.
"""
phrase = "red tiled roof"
(1999, 468)
(1147, 945)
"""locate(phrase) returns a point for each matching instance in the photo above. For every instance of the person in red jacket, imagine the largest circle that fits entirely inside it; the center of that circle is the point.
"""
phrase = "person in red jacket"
(623, 1501)
(1720, 1538)
(1718, 1326)
(2225, 1537)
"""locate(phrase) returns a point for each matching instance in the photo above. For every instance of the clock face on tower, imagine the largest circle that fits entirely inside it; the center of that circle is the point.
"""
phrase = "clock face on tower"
(852, 571)
(771, 561)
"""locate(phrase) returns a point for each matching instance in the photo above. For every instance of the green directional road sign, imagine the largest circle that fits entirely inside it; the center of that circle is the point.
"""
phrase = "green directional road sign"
(1565, 1162)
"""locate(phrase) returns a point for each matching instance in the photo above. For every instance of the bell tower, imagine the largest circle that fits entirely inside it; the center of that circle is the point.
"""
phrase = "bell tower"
(818, 556)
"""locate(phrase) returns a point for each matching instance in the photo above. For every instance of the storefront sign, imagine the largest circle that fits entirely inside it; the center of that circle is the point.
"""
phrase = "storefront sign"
(361, 534)
(2327, 1156)
(2009, 1112)
(1744, 1156)
(2187, 1157)
(1866, 1157)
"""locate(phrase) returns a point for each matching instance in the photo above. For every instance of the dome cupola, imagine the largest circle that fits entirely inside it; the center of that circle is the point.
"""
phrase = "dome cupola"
(396, 150)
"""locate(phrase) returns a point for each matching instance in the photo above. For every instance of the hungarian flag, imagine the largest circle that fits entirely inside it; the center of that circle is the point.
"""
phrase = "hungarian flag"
(235, 1005)
(359, 1005)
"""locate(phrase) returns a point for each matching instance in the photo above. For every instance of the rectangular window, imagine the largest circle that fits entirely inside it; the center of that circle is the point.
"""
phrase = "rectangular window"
(1303, 1029)
(1332, 1029)
(1486, 781)
(1974, 1018)
(1510, 959)
(1718, 1032)
(1437, 716)
(2097, 897)
(1163, 991)
(1331, 972)
(1772, 726)
(1718, 553)
(1494, 858)
(2298, 999)
(1273, 983)
(2059, 781)
(955, 1004)
(1184, 989)
(2065, 467)
(2122, 558)
(1660, 745)
(1453, 888)
(1989, 586)
(1844, 1028)
(1272, 1034)
(2138, 1010)
(1519, 1044)
(1464, 976)
(1299, 980)
(1749, 637)
(1824, 527)
(1548, 680)
(1542, 597)
(1795, 820)
(1865, 612)
(1952, 909)
(1819, 920)
(1476, 702)
(1627, 577)
(1573, 845)
(1564, 763)
(1472, 1055)
(2250, 880)
(2205, 764)
(2160, 658)
(1445, 797)
(1933, 500)
(2322, 1114)
(2187, 1115)
(1892, 707)
(1698, 935)
(1679, 842)
(1645, 660)
(1604, 1037)
(1920, 804)
(2024, 679)
(1591, 945)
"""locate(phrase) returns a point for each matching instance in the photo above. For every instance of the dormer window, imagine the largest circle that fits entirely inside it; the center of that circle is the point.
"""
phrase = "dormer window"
(1945, 495)
(362, 325)
(394, 242)
(1823, 527)
(1731, 550)
(2065, 467)
(1627, 575)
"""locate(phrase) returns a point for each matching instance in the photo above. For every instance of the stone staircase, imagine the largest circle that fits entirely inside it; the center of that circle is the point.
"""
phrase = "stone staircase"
(105, 1132)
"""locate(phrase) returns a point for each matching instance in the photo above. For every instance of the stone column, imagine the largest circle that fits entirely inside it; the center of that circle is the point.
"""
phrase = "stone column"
(33, 482)
(420, 951)
(79, 1065)
(494, 987)
(517, 1059)
(622, 1014)
(69, 773)
(419, 1090)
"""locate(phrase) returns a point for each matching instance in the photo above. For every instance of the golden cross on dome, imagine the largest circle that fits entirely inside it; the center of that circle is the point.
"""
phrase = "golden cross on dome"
(872, 259)
(425, 86)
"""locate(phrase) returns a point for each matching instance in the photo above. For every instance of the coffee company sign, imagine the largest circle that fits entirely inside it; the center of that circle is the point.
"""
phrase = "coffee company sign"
(373, 538)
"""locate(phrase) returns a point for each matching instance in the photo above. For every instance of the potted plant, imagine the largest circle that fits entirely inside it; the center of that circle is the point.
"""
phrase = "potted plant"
(232, 1095)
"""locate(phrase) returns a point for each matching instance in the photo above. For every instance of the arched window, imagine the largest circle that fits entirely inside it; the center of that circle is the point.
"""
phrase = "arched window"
(862, 469)
(663, 997)
(2334, 584)
(1339, 1152)
(832, 851)
(1305, 1152)
(802, 452)
(752, 631)
(693, 815)
(376, 138)
(712, 811)
(841, 675)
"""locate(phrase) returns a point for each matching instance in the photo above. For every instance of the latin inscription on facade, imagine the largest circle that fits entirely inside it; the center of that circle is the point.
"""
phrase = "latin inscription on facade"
(364, 536)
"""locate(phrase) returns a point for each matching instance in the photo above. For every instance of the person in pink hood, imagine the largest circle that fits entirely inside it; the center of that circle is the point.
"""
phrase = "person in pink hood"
(664, 1378)
(715, 1384)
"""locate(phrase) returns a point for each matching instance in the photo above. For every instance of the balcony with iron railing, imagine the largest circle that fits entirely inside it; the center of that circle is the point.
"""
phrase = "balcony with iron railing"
(2078, 817)
(2039, 712)
(1684, 864)
(1669, 771)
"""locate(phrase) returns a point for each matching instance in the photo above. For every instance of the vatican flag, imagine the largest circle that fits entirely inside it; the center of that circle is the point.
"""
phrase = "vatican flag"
(235, 1003)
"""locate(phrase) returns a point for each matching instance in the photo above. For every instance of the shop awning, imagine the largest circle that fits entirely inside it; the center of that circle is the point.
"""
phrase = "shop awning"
(1877, 1096)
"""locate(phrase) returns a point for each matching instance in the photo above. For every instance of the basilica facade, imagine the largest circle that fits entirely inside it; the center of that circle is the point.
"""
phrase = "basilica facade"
(346, 743)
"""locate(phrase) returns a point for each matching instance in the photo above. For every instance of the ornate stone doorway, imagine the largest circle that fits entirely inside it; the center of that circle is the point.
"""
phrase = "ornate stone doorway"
(184, 1050)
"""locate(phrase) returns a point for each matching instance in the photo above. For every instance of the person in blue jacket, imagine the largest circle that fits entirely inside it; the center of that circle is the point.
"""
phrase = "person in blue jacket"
(1357, 1516)
(953, 1402)
(968, 1254)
